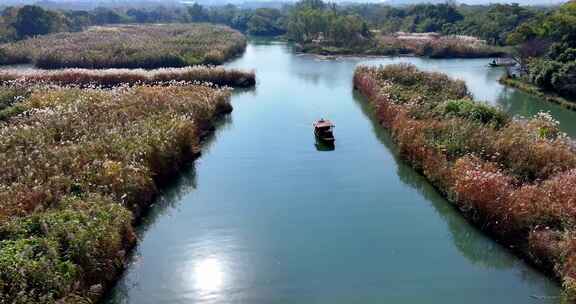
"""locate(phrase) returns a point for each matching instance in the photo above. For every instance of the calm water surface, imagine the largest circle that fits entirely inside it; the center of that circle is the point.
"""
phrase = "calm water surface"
(265, 217)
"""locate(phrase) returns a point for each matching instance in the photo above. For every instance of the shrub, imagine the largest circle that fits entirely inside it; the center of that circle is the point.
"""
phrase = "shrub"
(11, 93)
(475, 111)
(43, 256)
(564, 80)
(542, 71)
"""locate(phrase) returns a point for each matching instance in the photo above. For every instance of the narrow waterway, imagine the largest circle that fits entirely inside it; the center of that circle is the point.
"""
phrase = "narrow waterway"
(266, 216)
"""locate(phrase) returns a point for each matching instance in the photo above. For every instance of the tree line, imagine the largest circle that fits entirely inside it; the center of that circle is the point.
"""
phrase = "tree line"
(18, 23)
(338, 22)
(544, 37)
(546, 49)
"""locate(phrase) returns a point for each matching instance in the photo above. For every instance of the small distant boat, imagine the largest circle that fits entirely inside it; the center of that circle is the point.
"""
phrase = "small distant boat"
(501, 62)
(323, 130)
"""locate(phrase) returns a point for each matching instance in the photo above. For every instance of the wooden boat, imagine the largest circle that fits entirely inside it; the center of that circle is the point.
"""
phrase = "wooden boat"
(323, 130)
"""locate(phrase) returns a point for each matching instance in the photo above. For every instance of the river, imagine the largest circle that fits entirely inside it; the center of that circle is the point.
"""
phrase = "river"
(266, 216)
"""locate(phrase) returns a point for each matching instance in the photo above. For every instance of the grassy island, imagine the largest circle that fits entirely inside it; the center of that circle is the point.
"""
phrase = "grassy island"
(514, 178)
(80, 164)
(128, 46)
(424, 45)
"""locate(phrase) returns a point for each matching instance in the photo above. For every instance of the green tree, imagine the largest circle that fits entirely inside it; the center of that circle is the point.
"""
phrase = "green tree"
(103, 15)
(33, 20)
(197, 13)
(311, 4)
(266, 21)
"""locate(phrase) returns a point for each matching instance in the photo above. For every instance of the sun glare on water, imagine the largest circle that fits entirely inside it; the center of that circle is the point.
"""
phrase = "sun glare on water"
(208, 275)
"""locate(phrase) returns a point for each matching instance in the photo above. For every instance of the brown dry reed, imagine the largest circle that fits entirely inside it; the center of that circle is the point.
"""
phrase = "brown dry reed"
(128, 46)
(78, 166)
(513, 177)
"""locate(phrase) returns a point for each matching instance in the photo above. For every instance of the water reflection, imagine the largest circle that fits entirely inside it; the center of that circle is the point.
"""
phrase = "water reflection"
(322, 145)
(204, 272)
(208, 275)
(525, 105)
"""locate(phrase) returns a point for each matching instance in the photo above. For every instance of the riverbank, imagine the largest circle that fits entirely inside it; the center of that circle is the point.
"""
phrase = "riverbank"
(440, 47)
(80, 168)
(465, 148)
(534, 90)
(128, 46)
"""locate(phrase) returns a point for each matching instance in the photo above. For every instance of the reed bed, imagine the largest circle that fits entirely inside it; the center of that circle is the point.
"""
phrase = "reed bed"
(78, 166)
(513, 177)
(115, 77)
(441, 47)
(128, 46)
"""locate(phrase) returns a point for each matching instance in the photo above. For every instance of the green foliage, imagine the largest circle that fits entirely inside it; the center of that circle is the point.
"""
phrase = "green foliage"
(490, 22)
(493, 24)
(564, 80)
(34, 20)
(541, 72)
(315, 22)
(43, 255)
(19, 23)
(475, 111)
(456, 138)
(108, 16)
(32, 271)
(11, 94)
(265, 22)
(430, 18)
(197, 13)
(311, 5)
(554, 68)
(558, 26)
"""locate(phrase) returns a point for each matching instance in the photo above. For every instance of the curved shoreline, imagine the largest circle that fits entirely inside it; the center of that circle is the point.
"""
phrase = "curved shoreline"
(535, 91)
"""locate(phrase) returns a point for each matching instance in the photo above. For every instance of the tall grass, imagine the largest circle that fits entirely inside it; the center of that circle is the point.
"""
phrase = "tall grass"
(77, 166)
(441, 47)
(513, 177)
(115, 77)
(128, 46)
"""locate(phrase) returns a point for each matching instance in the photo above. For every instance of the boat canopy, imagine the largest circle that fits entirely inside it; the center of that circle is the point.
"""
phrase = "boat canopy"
(323, 124)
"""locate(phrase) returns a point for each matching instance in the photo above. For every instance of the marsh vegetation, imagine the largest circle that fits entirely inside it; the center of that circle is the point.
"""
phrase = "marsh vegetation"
(79, 166)
(128, 46)
(113, 77)
(513, 177)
